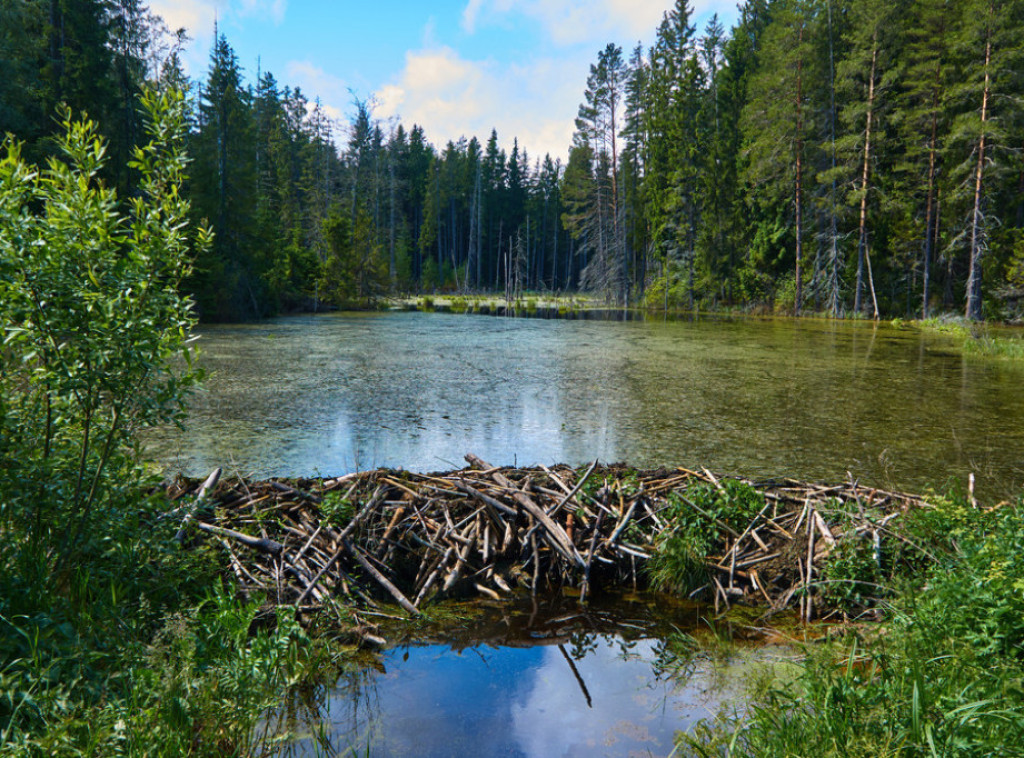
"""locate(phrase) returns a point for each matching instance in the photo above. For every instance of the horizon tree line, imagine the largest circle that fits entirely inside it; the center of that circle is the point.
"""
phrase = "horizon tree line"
(825, 155)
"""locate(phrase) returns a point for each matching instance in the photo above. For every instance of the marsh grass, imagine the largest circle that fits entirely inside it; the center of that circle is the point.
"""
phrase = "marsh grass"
(976, 339)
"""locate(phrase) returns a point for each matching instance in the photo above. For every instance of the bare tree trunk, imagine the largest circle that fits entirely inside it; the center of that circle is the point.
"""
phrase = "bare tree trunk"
(834, 264)
(930, 235)
(392, 265)
(799, 173)
(973, 309)
(862, 244)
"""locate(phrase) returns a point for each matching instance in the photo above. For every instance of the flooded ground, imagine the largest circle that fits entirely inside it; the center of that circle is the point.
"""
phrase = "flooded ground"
(329, 394)
(533, 679)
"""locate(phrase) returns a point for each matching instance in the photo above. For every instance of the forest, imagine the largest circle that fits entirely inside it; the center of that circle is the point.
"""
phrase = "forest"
(828, 156)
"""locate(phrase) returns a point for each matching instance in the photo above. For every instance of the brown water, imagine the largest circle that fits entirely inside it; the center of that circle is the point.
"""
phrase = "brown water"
(810, 399)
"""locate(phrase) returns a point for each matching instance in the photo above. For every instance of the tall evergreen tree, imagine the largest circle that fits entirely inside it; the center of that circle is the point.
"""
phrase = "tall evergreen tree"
(778, 123)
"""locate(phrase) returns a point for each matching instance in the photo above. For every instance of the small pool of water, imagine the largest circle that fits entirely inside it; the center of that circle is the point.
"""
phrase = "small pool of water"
(529, 680)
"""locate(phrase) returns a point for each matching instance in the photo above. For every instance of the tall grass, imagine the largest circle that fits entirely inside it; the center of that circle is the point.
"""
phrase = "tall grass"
(945, 676)
(977, 339)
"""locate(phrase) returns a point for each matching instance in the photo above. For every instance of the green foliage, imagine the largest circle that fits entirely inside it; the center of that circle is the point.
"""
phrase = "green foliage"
(110, 641)
(946, 678)
(852, 574)
(697, 521)
(337, 510)
(95, 329)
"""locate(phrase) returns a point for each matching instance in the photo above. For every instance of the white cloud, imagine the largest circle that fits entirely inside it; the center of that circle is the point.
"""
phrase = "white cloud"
(197, 17)
(469, 14)
(451, 97)
(569, 22)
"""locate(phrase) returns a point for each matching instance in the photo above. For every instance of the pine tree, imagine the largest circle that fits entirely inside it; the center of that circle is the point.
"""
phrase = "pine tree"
(865, 80)
(226, 284)
(923, 123)
(989, 53)
(778, 124)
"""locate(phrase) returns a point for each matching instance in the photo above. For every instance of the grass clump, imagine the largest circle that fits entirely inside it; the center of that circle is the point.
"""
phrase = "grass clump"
(977, 339)
(697, 520)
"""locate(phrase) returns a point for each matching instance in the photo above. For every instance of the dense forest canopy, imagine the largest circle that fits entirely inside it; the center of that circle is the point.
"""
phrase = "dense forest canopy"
(823, 155)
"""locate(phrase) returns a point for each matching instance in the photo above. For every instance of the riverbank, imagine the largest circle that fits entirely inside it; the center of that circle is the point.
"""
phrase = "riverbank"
(985, 339)
(979, 339)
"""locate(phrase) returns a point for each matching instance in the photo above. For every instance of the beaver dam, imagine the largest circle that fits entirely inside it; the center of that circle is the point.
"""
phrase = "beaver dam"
(376, 538)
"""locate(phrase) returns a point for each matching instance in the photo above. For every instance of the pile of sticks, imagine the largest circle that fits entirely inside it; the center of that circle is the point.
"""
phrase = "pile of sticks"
(395, 536)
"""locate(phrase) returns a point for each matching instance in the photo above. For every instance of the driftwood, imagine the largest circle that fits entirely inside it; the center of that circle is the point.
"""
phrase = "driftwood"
(494, 532)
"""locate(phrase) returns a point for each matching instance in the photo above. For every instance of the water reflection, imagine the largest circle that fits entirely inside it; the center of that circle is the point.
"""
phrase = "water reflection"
(563, 689)
(812, 399)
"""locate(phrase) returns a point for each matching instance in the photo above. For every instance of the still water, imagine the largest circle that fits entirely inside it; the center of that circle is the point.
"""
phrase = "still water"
(329, 394)
(546, 682)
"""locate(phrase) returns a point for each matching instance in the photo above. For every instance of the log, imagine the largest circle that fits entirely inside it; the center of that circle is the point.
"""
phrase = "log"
(264, 545)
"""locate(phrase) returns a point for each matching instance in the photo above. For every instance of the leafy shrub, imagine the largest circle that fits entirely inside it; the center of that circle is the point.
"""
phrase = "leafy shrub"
(95, 349)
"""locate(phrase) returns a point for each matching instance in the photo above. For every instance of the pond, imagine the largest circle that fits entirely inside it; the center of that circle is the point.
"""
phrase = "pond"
(819, 400)
(812, 399)
(530, 680)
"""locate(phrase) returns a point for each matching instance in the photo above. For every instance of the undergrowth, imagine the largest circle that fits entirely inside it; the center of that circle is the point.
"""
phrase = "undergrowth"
(698, 518)
(114, 641)
(944, 677)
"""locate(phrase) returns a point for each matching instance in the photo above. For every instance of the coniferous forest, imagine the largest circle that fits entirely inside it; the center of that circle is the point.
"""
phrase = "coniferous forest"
(822, 156)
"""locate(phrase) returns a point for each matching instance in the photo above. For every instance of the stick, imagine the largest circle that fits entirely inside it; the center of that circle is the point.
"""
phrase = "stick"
(377, 497)
(433, 576)
(590, 558)
(210, 483)
(571, 493)
(282, 487)
(380, 578)
(264, 545)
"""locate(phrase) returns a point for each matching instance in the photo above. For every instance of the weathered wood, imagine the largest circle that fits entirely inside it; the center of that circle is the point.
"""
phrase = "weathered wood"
(499, 529)
(257, 543)
(209, 484)
(380, 578)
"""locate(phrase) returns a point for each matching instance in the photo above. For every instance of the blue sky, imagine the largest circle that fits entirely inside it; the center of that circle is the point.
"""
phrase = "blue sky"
(457, 67)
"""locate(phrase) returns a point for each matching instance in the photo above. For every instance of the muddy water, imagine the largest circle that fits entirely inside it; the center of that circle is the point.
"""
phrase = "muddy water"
(545, 680)
(811, 399)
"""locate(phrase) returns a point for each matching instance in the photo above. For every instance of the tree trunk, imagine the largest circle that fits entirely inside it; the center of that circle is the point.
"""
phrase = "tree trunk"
(834, 263)
(973, 309)
(862, 237)
(799, 173)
